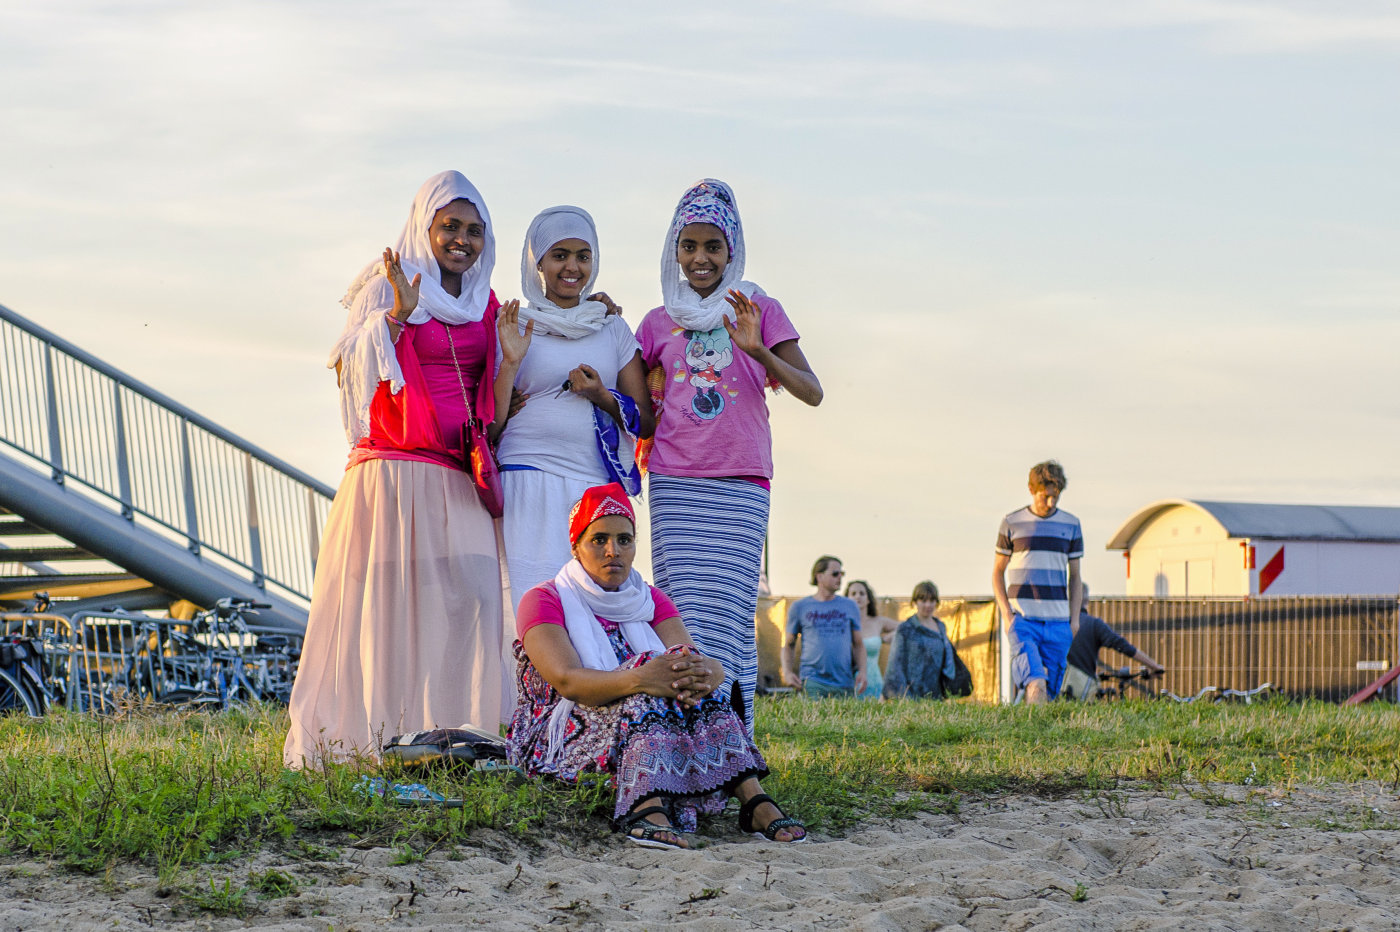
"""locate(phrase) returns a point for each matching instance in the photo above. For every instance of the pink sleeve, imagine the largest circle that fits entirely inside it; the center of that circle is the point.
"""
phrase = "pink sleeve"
(665, 608)
(646, 338)
(776, 326)
(539, 606)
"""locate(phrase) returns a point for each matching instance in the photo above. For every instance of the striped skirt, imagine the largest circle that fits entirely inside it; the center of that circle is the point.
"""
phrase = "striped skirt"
(706, 555)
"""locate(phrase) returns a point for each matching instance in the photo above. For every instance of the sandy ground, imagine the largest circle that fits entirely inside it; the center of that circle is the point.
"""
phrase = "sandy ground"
(1199, 858)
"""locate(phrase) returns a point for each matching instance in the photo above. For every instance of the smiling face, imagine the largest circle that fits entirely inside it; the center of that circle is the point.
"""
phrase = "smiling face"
(458, 237)
(606, 550)
(702, 254)
(565, 269)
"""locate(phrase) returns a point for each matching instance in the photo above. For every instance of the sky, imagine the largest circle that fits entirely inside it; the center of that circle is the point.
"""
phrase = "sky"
(1155, 241)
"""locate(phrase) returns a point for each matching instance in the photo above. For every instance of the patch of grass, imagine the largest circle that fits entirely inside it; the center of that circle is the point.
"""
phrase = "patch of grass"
(273, 884)
(406, 854)
(170, 789)
(225, 900)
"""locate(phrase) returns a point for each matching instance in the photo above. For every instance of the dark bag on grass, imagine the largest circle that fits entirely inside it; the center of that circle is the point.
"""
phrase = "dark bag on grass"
(465, 745)
(960, 683)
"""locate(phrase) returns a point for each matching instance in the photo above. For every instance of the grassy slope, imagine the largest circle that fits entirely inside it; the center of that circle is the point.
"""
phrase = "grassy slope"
(173, 790)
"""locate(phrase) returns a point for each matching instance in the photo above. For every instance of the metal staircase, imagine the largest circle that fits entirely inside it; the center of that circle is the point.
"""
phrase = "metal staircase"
(140, 499)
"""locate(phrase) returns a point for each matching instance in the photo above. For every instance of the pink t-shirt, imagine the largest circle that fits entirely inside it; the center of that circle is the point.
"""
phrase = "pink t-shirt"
(714, 416)
(541, 606)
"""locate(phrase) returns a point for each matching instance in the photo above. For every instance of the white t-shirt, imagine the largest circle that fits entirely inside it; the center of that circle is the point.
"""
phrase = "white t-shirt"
(556, 434)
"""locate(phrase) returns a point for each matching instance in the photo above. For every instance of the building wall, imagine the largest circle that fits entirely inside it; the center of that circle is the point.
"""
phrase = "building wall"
(1329, 568)
(1185, 552)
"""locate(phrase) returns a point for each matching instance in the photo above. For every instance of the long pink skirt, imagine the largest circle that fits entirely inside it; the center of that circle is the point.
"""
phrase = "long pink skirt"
(405, 632)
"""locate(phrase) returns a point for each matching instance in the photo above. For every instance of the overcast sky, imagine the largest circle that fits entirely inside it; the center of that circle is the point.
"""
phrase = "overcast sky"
(1154, 240)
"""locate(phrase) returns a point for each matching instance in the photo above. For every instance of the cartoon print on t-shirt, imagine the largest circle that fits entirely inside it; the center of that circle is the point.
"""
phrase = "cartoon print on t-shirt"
(707, 354)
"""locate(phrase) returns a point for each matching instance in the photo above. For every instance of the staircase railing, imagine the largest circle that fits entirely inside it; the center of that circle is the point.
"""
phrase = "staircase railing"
(160, 465)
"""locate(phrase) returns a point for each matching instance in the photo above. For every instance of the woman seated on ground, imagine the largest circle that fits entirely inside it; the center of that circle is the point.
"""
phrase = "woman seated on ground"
(922, 655)
(876, 630)
(610, 682)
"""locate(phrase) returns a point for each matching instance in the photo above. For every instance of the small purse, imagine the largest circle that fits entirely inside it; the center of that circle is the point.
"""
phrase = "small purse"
(479, 461)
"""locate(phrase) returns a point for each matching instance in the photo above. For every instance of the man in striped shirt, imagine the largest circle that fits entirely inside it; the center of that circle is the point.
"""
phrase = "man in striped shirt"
(1037, 585)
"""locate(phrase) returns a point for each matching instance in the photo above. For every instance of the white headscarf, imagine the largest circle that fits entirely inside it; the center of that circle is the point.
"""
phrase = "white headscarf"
(551, 226)
(631, 607)
(706, 201)
(365, 351)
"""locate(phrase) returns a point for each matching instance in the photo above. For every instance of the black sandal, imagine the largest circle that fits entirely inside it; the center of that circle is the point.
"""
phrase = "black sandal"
(771, 830)
(638, 820)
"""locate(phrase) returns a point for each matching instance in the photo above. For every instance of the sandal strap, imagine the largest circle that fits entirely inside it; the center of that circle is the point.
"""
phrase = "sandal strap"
(640, 815)
(747, 809)
(777, 825)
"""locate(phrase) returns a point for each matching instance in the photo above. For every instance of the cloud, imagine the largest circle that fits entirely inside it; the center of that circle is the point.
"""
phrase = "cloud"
(1225, 25)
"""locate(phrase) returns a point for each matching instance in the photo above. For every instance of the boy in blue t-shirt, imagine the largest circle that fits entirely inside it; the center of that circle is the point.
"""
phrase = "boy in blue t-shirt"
(833, 657)
(1036, 581)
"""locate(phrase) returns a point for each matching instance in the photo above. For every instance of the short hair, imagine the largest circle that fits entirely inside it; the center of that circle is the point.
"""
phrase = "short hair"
(821, 565)
(925, 590)
(1049, 474)
(869, 596)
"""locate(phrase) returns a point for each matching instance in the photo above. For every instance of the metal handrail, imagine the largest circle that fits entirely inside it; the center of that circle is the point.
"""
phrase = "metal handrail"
(158, 464)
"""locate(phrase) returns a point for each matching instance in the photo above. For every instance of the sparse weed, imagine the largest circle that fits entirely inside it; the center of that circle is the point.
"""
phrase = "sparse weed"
(273, 884)
(225, 900)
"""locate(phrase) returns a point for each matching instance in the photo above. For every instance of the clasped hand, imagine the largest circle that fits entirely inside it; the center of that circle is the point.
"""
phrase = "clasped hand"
(685, 676)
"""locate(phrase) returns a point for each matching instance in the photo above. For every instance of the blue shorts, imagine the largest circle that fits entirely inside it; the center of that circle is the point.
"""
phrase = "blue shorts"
(1039, 652)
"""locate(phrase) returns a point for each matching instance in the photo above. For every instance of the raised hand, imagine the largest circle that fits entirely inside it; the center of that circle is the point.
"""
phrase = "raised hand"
(614, 310)
(405, 291)
(513, 342)
(746, 331)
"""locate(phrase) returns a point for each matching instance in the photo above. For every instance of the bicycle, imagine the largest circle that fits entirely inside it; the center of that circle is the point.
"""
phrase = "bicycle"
(211, 664)
(1114, 682)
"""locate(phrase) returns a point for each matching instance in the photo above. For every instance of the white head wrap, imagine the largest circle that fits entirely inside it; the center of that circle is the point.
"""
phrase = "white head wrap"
(631, 607)
(551, 226)
(706, 201)
(365, 351)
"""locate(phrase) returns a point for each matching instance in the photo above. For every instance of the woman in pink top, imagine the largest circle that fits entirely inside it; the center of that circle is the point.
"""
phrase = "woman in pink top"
(714, 347)
(405, 631)
(611, 683)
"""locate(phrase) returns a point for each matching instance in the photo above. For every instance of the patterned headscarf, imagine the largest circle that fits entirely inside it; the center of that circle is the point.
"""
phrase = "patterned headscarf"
(707, 201)
(599, 502)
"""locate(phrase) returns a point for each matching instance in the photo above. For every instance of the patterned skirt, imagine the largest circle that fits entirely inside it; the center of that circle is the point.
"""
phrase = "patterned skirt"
(644, 745)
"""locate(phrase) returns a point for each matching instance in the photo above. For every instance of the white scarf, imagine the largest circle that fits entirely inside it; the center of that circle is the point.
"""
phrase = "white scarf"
(364, 350)
(683, 303)
(631, 607)
(551, 226)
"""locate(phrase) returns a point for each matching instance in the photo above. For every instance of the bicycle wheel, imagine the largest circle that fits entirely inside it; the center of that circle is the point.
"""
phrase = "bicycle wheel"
(95, 701)
(190, 699)
(15, 697)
